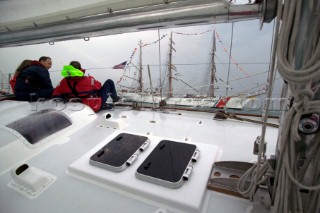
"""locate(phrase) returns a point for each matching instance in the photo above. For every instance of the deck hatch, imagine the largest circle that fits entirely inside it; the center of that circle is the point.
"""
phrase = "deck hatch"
(40, 125)
(167, 164)
(120, 152)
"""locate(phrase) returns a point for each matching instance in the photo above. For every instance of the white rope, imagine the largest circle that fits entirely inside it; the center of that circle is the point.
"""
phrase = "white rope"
(260, 172)
(302, 76)
(263, 174)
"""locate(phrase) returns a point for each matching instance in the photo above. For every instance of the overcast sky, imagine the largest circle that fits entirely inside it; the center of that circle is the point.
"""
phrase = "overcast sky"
(251, 50)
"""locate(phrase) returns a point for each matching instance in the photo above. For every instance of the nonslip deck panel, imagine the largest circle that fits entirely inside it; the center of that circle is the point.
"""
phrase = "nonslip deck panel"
(119, 150)
(167, 161)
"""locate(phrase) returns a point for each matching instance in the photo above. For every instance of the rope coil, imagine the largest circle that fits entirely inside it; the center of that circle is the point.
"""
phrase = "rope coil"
(298, 154)
(299, 65)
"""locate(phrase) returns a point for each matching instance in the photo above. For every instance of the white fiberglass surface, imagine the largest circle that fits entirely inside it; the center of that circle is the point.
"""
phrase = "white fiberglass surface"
(189, 197)
(69, 194)
(14, 148)
(235, 138)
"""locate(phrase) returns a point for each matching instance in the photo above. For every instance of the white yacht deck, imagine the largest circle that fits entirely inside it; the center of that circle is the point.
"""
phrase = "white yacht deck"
(81, 188)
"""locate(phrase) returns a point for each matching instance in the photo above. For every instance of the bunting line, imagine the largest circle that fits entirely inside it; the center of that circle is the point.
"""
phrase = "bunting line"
(132, 54)
(154, 42)
(231, 58)
(123, 78)
(223, 47)
(188, 34)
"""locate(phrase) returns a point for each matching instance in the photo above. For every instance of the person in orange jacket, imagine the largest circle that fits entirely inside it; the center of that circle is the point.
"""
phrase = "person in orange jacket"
(88, 89)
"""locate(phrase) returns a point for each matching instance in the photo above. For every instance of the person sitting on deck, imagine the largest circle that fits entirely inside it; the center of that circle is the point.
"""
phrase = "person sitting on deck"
(24, 64)
(88, 89)
(34, 82)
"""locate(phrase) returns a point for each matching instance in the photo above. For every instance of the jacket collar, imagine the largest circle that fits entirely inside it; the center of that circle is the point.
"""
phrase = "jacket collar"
(36, 63)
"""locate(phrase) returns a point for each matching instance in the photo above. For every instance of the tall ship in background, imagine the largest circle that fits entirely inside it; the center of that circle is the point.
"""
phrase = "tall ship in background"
(197, 96)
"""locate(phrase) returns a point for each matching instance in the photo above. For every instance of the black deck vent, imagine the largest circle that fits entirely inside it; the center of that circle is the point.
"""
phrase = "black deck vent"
(40, 125)
(167, 164)
(120, 152)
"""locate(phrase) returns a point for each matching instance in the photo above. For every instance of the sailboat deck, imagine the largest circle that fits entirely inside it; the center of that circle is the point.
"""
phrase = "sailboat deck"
(228, 140)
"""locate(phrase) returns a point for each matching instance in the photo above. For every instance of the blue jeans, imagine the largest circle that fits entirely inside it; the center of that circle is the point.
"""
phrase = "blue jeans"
(107, 89)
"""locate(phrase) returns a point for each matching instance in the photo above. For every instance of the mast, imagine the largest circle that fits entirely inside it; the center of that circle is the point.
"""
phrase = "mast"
(140, 86)
(160, 81)
(170, 65)
(213, 67)
(227, 86)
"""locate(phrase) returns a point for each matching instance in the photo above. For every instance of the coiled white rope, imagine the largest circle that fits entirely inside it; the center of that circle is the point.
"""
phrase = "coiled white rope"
(291, 177)
(303, 85)
(263, 174)
(260, 172)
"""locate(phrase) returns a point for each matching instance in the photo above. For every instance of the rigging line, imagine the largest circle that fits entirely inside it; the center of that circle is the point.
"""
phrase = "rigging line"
(270, 63)
(177, 64)
(203, 86)
(186, 84)
(205, 63)
(229, 59)
(236, 79)
(229, 54)
(243, 91)
(246, 76)
(205, 80)
(217, 63)
(199, 87)
(261, 154)
(131, 78)
(125, 86)
(5, 80)
(177, 91)
(240, 83)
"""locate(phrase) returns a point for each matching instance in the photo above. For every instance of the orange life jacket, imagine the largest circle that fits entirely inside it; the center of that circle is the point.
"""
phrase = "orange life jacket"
(86, 88)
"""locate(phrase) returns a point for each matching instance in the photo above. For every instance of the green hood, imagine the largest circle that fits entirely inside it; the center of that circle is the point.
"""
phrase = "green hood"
(70, 71)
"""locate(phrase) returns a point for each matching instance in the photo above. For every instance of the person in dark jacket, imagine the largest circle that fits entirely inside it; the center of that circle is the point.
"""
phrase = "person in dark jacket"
(34, 82)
